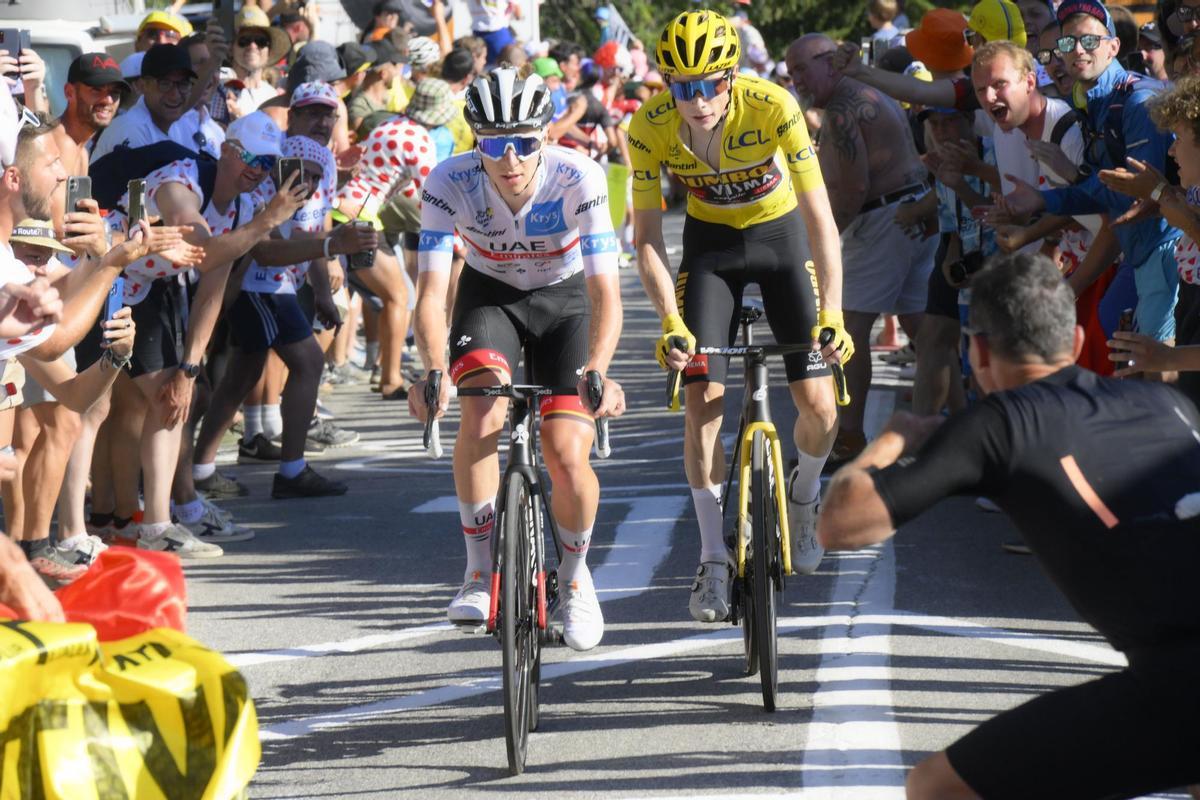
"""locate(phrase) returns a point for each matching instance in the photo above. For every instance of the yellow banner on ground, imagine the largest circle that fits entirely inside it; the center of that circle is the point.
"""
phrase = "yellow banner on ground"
(156, 716)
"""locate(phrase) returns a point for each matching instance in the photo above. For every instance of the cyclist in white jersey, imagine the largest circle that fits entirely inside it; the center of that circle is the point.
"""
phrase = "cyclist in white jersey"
(541, 275)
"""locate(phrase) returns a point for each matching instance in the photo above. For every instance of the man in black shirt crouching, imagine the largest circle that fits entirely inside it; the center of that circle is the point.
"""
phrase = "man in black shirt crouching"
(1102, 478)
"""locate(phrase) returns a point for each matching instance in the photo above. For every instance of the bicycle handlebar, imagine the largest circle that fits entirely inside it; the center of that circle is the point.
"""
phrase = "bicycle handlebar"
(841, 392)
(433, 388)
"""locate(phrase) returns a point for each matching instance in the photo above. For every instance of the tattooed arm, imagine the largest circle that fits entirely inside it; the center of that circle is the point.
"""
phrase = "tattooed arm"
(843, 155)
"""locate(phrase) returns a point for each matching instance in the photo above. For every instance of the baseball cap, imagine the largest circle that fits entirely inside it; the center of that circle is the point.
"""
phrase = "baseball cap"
(257, 133)
(318, 61)
(97, 69)
(431, 103)
(547, 67)
(1093, 8)
(938, 40)
(314, 93)
(1151, 34)
(357, 57)
(131, 65)
(163, 59)
(37, 232)
(603, 13)
(997, 20)
(164, 19)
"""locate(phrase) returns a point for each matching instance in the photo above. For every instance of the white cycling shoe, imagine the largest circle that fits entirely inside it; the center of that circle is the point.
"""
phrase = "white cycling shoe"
(807, 552)
(710, 592)
(473, 601)
(583, 622)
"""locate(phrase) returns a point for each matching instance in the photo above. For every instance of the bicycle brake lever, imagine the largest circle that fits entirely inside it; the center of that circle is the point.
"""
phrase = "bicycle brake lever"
(675, 377)
(595, 389)
(841, 391)
(433, 390)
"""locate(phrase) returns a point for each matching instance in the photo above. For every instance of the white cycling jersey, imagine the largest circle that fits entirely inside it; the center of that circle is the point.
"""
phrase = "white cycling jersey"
(564, 228)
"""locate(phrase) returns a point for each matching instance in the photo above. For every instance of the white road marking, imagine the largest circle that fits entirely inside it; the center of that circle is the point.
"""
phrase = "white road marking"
(346, 646)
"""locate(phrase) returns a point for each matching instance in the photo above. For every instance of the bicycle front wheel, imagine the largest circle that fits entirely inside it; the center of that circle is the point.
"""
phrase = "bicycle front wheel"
(765, 561)
(518, 622)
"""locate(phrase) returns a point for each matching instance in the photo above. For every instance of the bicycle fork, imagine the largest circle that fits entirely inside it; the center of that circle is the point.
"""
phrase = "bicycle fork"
(772, 437)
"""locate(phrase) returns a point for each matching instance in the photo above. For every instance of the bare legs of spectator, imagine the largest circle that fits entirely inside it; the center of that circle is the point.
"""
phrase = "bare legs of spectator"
(72, 499)
(160, 446)
(370, 319)
(305, 362)
(858, 380)
(242, 381)
(385, 280)
(25, 431)
(183, 488)
(46, 466)
(124, 436)
(939, 370)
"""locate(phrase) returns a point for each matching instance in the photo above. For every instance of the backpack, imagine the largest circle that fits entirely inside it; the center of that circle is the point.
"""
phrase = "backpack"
(1112, 137)
(112, 172)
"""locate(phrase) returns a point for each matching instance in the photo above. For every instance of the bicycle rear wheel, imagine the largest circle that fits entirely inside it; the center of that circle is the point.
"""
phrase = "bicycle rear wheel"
(518, 623)
(765, 560)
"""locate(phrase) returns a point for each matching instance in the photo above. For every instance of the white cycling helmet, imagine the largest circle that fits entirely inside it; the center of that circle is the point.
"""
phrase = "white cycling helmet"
(502, 100)
(423, 52)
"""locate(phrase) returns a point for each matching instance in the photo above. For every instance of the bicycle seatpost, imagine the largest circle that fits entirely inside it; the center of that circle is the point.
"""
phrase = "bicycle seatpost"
(675, 377)
(595, 388)
(433, 394)
(839, 375)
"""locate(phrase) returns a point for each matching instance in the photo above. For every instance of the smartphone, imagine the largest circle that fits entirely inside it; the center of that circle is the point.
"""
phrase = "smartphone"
(137, 200)
(14, 40)
(79, 187)
(285, 167)
(1124, 323)
(866, 45)
(116, 298)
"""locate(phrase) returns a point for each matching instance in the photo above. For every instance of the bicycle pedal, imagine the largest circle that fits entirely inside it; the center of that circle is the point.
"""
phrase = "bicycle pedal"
(471, 628)
(553, 635)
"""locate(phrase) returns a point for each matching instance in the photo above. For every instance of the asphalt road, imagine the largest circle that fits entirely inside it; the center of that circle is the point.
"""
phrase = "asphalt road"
(335, 612)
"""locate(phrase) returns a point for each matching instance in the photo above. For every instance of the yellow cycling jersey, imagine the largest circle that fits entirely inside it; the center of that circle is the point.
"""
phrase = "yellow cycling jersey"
(765, 154)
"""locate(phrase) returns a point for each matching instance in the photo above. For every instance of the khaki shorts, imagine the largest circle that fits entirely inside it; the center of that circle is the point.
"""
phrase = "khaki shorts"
(11, 383)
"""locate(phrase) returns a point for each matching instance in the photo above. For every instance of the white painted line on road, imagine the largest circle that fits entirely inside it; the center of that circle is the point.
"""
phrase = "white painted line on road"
(346, 646)
(641, 544)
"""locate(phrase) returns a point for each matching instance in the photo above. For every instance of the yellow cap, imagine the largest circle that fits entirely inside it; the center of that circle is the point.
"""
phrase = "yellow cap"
(163, 19)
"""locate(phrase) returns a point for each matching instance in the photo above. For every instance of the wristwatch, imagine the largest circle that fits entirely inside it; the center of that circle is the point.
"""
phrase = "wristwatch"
(190, 370)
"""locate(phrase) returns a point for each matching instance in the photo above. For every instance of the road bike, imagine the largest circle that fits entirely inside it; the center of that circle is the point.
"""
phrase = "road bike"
(760, 540)
(524, 593)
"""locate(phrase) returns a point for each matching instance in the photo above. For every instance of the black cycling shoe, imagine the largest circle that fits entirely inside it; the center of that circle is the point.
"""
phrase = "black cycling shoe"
(307, 484)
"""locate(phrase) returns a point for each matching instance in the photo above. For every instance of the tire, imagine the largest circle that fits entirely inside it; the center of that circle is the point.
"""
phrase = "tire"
(742, 591)
(765, 560)
(517, 623)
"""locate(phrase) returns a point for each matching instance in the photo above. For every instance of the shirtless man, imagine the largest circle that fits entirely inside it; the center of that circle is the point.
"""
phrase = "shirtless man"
(870, 166)
(94, 90)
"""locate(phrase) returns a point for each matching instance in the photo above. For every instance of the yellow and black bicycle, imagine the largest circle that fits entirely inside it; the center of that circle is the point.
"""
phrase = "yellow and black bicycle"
(761, 541)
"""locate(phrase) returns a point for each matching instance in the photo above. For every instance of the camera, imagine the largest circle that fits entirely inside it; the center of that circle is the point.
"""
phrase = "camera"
(958, 273)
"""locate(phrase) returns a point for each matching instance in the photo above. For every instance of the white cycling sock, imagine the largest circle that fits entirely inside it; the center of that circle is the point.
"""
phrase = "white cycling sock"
(252, 422)
(478, 519)
(708, 514)
(189, 512)
(573, 566)
(202, 471)
(272, 421)
(804, 484)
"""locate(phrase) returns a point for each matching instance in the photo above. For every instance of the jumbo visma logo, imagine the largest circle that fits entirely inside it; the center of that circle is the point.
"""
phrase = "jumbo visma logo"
(545, 219)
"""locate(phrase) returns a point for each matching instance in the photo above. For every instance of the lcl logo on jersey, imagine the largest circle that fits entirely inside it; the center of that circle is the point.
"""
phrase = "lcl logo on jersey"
(545, 218)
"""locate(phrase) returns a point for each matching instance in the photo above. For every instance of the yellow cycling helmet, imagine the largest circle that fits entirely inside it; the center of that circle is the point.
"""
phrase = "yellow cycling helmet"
(697, 43)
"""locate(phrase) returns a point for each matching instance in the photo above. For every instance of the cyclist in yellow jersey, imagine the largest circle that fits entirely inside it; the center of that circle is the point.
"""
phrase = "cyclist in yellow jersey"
(741, 147)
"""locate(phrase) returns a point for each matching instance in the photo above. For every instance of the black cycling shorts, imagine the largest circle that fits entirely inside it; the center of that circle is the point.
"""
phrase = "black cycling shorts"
(1127, 734)
(942, 299)
(495, 322)
(718, 261)
(260, 321)
(158, 343)
(1187, 332)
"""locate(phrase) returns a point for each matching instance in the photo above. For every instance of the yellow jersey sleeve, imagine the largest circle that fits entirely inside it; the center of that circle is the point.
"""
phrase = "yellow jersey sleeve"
(647, 150)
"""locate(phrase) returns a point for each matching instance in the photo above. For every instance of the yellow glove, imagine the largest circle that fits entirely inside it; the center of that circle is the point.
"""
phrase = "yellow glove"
(673, 330)
(841, 340)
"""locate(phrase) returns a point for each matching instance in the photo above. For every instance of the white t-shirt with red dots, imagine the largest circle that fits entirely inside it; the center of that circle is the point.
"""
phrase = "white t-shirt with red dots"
(141, 274)
(13, 271)
(395, 151)
(1187, 258)
(311, 218)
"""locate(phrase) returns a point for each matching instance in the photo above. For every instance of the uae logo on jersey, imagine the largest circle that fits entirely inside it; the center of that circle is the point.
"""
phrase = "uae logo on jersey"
(545, 219)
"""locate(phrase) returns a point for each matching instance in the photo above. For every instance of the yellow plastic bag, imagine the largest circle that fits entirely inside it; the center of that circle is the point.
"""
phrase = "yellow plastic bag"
(156, 716)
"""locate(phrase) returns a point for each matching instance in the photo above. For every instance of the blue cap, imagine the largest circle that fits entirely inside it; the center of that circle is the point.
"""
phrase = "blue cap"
(602, 12)
(1093, 8)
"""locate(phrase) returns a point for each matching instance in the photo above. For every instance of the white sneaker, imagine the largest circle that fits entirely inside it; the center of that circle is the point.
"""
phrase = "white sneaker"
(212, 527)
(807, 552)
(84, 548)
(583, 622)
(472, 602)
(710, 592)
(216, 509)
(180, 541)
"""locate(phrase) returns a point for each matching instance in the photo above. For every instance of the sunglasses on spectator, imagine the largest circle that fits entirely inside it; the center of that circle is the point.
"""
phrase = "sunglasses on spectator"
(972, 38)
(1044, 57)
(28, 119)
(261, 42)
(258, 162)
(707, 88)
(1089, 42)
(524, 146)
(165, 85)
(1187, 13)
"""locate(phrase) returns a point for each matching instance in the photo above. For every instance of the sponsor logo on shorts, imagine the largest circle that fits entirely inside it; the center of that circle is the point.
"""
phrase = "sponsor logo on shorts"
(698, 366)
(545, 219)
(815, 362)
(463, 340)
